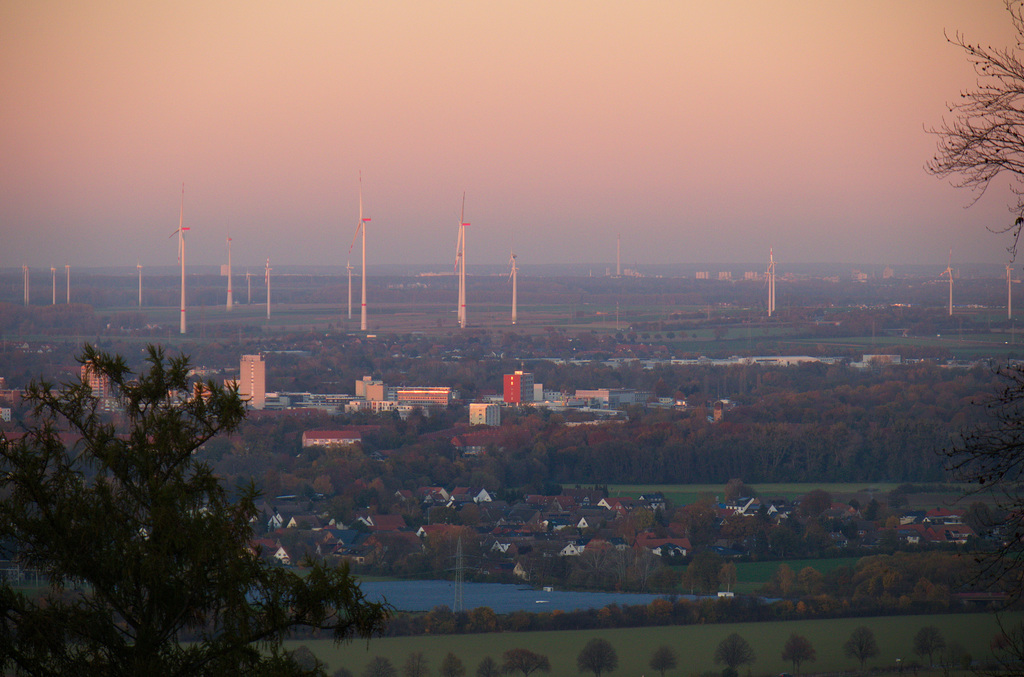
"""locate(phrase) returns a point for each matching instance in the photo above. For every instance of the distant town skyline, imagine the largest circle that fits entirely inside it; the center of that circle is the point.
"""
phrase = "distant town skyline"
(698, 131)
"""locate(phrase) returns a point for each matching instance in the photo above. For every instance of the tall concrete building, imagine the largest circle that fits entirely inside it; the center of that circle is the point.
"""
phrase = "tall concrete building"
(98, 382)
(252, 381)
(484, 413)
(518, 387)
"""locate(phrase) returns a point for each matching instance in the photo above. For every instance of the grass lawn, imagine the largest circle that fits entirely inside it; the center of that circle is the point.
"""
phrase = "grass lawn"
(751, 576)
(694, 644)
(682, 494)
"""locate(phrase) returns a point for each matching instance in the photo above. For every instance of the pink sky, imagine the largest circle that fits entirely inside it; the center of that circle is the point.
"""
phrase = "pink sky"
(702, 131)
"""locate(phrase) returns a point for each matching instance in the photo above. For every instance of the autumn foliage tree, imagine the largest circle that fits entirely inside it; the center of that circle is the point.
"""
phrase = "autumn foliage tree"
(798, 650)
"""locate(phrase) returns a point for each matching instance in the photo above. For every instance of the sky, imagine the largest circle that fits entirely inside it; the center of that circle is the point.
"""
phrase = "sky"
(698, 131)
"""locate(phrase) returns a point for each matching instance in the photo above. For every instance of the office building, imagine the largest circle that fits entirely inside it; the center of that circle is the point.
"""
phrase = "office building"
(252, 381)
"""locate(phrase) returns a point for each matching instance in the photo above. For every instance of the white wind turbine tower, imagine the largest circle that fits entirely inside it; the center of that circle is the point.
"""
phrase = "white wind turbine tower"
(514, 276)
(230, 300)
(460, 263)
(139, 266)
(248, 284)
(67, 269)
(770, 274)
(53, 275)
(949, 271)
(1009, 291)
(361, 225)
(24, 275)
(348, 267)
(180, 232)
(267, 277)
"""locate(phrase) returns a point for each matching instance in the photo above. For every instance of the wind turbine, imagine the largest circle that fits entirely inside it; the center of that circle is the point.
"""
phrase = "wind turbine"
(949, 271)
(53, 274)
(514, 276)
(348, 267)
(180, 232)
(248, 283)
(267, 278)
(460, 263)
(361, 225)
(230, 300)
(139, 266)
(67, 269)
(1009, 291)
(770, 275)
(24, 275)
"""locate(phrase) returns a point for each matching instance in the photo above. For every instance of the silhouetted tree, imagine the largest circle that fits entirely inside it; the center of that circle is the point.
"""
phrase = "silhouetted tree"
(861, 645)
(734, 651)
(597, 656)
(416, 665)
(524, 661)
(663, 659)
(983, 140)
(140, 542)
(488, 667)
(379, 666)
(451, 666)
(927, 642)
(798, 650)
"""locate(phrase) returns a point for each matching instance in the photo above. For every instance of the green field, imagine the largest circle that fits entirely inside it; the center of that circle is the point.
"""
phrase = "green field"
(681, 494)
(694, 644)
(751, 576)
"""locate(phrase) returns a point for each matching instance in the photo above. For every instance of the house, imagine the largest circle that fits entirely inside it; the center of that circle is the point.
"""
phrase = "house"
(915, 533)
(312, 522)
(620, 505)
(341, 537)
(674, 547)
(654, 501)
(433, 495)
(945, 516)
(382, 522)
(500, 546)
(747, 507)
(428, 530)
(954, 533)
(573, 548)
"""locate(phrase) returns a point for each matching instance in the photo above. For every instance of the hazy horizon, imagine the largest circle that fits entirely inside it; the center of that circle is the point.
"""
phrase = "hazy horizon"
(698, 131)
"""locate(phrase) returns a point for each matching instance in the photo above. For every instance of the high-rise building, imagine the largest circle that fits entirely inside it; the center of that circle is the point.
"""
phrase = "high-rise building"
(518, 387)
(98, 382)
(484, 413)
(252, 381)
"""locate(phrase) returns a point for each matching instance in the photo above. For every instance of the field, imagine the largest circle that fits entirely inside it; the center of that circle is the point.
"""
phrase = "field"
(695, 644)
(682, 494)
(842, 492)
(751, 576)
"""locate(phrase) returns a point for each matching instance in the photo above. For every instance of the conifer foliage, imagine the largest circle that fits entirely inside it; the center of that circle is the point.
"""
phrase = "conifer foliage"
(146, 554)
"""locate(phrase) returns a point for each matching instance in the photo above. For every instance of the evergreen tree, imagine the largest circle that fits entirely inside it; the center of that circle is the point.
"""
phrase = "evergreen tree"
(147, 555)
